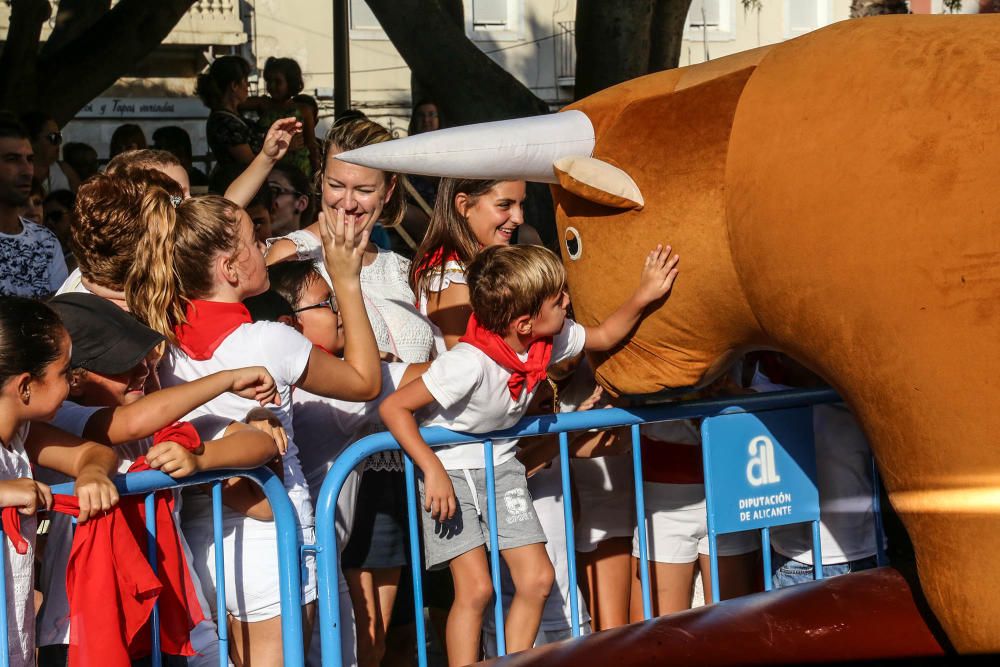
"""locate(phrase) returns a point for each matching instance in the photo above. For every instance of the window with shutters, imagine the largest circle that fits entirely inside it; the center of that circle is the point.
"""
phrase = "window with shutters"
(362, 21)
(802, 16)
(710, 20)
(494, 20)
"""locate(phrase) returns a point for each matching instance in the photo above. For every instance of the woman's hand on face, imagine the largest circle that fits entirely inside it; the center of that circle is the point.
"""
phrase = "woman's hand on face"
(343, 247)
(280, 136)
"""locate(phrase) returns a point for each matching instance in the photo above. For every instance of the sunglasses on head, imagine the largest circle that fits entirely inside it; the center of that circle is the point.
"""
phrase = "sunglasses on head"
(330, 303)
(54, 138)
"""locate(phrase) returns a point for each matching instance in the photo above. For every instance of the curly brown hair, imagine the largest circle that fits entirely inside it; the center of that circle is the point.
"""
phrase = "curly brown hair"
(107, 223)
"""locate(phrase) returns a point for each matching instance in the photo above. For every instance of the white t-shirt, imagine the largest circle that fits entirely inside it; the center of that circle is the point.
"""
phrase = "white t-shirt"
(31, 262)
(19, 574)
(844, 480)
(472, 397)
(53, 618)
(284, 352)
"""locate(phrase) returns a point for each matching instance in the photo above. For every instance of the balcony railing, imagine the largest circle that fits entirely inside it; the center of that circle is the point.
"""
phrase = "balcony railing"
(207, 23)
(566, 53)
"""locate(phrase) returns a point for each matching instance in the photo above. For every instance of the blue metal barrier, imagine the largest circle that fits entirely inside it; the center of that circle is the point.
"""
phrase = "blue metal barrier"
(328, 554)
(286, 526)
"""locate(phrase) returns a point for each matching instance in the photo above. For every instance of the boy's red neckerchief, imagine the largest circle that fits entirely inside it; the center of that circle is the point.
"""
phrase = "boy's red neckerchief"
(522, 373)
(208, 324)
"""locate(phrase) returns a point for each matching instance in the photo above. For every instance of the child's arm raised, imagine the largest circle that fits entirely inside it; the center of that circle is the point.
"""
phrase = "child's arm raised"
(357, 377)
(396, 412)
(243, 447)
(149, 414)
(658, 275)
(91, 463)
(279, 137)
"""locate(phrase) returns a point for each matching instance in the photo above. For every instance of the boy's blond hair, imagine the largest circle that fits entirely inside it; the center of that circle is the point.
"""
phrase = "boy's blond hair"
(506, 282)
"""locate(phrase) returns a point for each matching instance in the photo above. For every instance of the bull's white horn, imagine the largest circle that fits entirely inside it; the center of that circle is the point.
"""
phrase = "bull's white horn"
(510, 150)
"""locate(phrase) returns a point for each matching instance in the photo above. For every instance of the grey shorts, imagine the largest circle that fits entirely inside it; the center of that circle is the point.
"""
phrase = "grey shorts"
(517, 523)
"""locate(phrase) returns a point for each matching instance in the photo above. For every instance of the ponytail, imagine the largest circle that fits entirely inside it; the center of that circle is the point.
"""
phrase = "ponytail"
(152, 289)
(175, 258)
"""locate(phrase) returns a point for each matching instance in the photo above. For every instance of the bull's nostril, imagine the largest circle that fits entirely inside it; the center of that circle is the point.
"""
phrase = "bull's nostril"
(574, 243)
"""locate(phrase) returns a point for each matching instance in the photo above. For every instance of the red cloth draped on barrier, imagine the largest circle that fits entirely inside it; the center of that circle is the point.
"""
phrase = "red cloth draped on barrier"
(110, 584)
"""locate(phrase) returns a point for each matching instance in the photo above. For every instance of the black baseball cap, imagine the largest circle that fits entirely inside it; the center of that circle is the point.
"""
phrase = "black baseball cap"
(106, 339)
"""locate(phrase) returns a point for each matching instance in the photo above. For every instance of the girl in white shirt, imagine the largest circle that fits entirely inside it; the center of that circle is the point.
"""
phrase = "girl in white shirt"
(192, 271)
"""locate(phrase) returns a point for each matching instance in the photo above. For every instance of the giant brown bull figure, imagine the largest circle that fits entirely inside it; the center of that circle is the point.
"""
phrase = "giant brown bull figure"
(832, 197)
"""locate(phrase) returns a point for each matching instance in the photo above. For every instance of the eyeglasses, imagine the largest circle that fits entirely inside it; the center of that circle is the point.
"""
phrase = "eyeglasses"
(54, 138)
(330, 303)
(277, 191)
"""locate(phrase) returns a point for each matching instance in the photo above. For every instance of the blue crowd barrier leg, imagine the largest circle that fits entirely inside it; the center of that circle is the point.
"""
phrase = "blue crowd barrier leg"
(4, 646)
(221, 613)
(567, 491)
(880, 557)
(713, 565)
(765, 552)
(817, 552)
(328, 565)
(640, 522)
(416, 565)
(491, 516)
(150, 506)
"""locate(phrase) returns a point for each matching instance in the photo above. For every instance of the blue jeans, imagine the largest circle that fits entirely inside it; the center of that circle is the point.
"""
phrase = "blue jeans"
(788, 572)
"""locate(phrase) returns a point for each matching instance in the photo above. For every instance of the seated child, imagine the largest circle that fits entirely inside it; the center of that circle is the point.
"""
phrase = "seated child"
(484, 384)
(107, 378)
(34, 371)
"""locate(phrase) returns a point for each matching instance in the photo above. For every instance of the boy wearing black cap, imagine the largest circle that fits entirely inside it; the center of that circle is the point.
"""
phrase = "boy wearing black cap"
(109, 369)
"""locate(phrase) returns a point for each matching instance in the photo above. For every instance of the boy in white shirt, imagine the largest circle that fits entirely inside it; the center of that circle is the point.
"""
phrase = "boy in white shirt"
(518, 328)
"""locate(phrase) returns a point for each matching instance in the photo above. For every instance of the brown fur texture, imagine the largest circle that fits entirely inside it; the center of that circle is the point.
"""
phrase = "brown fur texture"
(830, 198)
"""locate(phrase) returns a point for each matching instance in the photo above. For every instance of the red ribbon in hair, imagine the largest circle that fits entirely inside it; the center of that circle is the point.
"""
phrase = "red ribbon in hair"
(434, 260)
(522, 373)
(208, 324)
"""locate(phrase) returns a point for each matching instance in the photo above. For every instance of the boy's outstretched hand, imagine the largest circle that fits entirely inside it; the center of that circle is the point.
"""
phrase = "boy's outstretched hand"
(279, 137)
(27, 495)
(254, 382)
(658, 275)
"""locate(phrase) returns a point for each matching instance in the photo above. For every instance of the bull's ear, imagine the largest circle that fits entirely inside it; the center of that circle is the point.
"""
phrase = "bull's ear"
(598, 181)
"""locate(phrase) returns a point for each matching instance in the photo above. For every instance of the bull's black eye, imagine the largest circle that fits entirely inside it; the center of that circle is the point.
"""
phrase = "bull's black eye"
(574, 243)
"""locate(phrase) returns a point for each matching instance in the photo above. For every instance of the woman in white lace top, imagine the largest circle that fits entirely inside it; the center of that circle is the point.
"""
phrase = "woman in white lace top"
(376, 551)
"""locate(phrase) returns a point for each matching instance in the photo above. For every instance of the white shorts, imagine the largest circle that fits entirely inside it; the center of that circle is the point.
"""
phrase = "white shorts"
(677, 526)
(606, 493)
(251, 560)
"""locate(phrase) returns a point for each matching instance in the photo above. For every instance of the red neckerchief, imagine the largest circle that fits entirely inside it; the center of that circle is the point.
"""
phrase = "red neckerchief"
(110, 585)
(208, 324)
(522, 373)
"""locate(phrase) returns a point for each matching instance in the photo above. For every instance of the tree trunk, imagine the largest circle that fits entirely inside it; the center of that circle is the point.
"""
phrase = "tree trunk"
(862, 8)
(91, 60)
(667, 33)
(418, 91)
(73, 19)
(19, 61)
(612, 43)
(467, 85)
